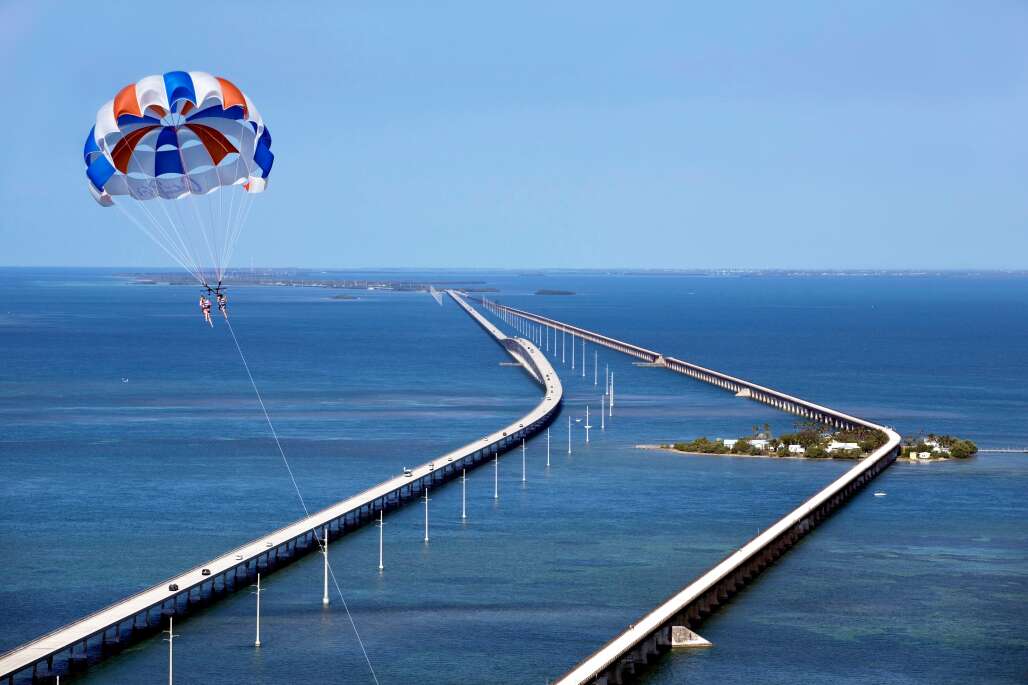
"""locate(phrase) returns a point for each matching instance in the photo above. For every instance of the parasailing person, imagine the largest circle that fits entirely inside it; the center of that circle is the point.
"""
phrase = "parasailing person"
(222, 301)
(182, 155)
(205, 307)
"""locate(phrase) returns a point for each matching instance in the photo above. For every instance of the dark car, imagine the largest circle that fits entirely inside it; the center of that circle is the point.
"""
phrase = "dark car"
(205, 572)
(173, 587)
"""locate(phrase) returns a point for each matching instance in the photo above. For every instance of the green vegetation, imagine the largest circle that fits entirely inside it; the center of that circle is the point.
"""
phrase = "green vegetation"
(868, 439)
(963, 449)
(807, 438)
(701, 445)
(741, 446)
(816, 440)
(939, 447)
(816, 452)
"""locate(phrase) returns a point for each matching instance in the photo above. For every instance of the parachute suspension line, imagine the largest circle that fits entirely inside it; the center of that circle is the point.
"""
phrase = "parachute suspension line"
(220, 239)
(151, 236)
(289, 470)
(226, 224)
(230, 232)
(221, 200)
(234, 228)
(238, 212)
(247, 202)
(199, 226)
(174, 215)
(224, 242)
(231, 207)
(155, 232)
(229, 224)
(215, 258)
(161, 230)
(178, 232)
(209, 201)
(181, 244)
(169, 242)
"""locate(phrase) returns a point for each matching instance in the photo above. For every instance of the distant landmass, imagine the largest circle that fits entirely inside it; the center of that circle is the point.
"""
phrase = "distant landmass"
(296, 278)
(551, 291)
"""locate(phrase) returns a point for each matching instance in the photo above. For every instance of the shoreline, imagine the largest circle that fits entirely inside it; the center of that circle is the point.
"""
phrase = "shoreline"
(661, 448)
(899, 460)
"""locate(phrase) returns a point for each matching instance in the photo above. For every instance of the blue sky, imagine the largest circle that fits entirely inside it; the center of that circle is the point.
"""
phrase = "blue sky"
(824, 135)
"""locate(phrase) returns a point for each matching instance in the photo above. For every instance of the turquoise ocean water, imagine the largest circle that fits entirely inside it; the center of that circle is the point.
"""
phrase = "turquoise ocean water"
(110, 485)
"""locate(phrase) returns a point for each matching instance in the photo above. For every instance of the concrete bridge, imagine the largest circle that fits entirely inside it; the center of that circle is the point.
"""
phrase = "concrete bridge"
(71, 648)
(671, 623)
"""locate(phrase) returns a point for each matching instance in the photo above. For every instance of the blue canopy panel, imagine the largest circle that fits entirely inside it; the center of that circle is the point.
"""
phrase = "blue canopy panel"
(234, 112)
(168, 162)
(179, 86)
(129, 119)
(167, 136)
(99, 171)
(90, 145)
(262, 153)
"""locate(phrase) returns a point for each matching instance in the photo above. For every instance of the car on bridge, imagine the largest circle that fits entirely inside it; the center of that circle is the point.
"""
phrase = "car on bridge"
(173, 587)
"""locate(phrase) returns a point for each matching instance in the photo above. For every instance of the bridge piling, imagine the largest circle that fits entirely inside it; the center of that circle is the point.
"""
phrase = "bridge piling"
(288, 544)
(619, 659)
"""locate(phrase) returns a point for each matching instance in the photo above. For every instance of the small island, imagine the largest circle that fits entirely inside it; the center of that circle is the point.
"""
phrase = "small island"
(814, 441)
(551, 291)
(933, 447)
(346, 298)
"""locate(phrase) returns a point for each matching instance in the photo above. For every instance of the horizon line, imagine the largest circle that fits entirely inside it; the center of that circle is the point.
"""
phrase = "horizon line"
(169, 268)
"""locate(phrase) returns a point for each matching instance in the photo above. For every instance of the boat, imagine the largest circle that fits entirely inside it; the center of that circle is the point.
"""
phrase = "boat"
(879, 494)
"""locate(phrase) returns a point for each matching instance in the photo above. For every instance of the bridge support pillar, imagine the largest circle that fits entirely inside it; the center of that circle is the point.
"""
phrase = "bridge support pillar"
(624, 668)
(652, 646)
(78, 663)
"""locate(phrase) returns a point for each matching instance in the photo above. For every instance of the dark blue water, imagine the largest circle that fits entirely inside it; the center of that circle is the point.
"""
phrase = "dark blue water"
(110, 486)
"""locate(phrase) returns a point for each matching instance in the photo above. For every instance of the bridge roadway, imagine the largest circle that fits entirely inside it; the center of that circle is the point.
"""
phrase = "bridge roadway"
(665, 626)
(131, 617)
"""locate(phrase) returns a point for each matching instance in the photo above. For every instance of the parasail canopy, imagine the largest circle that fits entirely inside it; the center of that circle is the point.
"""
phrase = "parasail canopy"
(181, 154)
